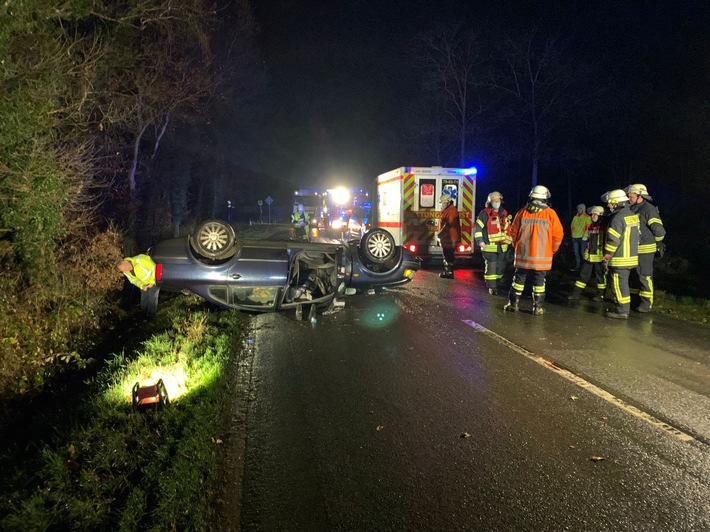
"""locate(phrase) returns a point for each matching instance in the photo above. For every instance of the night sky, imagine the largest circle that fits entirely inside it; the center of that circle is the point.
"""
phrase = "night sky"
(341, 80)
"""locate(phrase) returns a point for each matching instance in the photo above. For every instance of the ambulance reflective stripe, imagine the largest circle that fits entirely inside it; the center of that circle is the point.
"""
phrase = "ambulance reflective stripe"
(466, 206)
(410, 232)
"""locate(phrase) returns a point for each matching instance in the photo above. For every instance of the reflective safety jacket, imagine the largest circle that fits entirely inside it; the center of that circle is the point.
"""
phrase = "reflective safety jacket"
(449, 227)
(492, 230)
(652, 230)
(622, 239)
(296, 218)
(143, 272)
(579, 225)
(537, 234)
(597, 236)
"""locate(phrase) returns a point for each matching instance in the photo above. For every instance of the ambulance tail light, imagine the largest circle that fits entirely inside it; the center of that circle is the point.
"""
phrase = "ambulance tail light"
(464, 249)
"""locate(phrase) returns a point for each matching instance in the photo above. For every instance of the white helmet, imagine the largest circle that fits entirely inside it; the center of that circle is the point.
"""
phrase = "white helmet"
(639, 189)
(596, 209)
(617, 196)
(494, 195)
(539, 192)
(445, 199)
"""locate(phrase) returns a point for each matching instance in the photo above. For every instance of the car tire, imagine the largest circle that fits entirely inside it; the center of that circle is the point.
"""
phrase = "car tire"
(377, 245)
(214, 239)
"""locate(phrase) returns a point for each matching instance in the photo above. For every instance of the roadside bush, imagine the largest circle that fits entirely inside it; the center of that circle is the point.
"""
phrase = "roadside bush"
(47, 327)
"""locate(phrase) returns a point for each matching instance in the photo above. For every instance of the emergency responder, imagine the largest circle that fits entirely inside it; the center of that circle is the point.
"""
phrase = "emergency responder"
(301, 222)
(449, 234)
(621, 250)
(537, 234)
(652, 235)
(578, 227)
(593, 257)
(491, 236)
(140, 271)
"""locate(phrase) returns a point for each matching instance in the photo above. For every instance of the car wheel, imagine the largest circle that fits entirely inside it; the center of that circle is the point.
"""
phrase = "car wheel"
(214, 239)
(377, 245)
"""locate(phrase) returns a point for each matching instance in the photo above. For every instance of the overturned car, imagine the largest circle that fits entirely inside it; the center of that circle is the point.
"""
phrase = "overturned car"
(268, 275)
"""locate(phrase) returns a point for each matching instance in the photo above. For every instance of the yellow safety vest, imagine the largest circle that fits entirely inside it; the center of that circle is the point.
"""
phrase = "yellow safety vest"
(143, 272)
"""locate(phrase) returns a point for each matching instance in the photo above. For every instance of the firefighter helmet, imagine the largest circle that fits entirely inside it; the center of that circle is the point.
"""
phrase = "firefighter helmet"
(638, 189)
(596, 209)
(494, 195)
(539, 192)
(616, 197)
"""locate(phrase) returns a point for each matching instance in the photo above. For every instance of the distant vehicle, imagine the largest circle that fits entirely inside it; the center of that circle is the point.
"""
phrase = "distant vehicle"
(360, 220)
(408, 207)
(348, 212)
(264, 275)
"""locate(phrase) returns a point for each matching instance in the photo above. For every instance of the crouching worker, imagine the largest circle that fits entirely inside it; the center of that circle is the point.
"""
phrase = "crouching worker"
(140, 271)
(593, 258)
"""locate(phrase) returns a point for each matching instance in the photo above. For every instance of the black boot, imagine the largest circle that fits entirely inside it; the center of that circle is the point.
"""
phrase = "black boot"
(448, 272)
(538, 302)
(573, 298)
(513, 304)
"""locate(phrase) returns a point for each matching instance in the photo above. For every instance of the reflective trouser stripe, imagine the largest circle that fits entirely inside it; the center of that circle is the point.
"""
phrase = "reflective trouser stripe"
(495, 268)
(644, 285)
(521, 275)
(620, 285)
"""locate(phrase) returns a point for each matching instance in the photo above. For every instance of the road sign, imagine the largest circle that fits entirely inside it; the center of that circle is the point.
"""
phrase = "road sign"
(269, 200)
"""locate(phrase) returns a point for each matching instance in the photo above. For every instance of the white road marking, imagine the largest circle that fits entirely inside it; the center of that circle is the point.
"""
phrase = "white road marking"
(582, 383)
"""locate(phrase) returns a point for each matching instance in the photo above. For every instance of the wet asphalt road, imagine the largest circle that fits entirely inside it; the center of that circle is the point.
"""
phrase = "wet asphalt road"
(429, 408)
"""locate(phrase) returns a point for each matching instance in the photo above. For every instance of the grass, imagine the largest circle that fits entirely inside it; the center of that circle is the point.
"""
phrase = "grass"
(111, 468)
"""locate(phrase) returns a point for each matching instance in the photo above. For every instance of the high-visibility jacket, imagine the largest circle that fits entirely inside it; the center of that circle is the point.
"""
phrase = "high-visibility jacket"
(622, 239)
(597, 237)
(449, 227)
(143, 272)
(652, 230)
(492, 230)
(537, 234)
(296, 219)
(579, 225)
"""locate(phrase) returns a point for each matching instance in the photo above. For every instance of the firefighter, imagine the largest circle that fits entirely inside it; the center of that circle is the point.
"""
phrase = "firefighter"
(301, 222)
(537, 234)
(449, 234)
(621, 250)
(652, 235)
(593, 257)
(491, 236)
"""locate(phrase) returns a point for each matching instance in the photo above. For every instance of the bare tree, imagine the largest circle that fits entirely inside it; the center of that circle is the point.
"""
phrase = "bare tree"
(453, 61)
(545, 91)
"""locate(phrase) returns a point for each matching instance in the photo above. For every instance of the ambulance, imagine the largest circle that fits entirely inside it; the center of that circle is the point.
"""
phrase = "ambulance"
(408, 207)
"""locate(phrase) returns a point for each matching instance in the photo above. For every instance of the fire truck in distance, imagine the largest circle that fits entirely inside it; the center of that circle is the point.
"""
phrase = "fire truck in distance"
(408, 207)
(349, 212)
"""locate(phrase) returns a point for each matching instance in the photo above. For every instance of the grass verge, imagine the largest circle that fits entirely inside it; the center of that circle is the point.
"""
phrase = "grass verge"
(108, 467)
